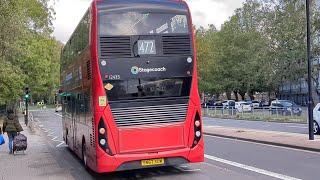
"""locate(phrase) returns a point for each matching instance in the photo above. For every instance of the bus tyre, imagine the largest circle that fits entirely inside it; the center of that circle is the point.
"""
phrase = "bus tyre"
(84, 155)
(316, 127)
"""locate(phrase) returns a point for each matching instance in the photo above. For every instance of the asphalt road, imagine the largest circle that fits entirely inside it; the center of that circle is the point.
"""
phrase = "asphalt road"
(259, 125)
(225, 159)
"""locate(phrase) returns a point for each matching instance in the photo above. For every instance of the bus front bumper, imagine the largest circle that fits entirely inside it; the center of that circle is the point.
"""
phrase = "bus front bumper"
(123, 162)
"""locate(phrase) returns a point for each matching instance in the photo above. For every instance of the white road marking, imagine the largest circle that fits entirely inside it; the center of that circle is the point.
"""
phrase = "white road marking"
(46, 130)
(61, 145)
(50, 134)
(270, 145)
(250, 168)
(303, 127)
(58, 114)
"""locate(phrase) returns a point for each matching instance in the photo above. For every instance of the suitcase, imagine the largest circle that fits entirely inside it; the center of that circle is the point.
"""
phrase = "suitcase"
(20, 143)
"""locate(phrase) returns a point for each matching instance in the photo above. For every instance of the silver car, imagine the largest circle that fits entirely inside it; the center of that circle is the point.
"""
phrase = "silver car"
(316, 118)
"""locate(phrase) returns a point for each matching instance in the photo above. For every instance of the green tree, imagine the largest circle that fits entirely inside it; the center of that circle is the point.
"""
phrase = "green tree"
(25, 45)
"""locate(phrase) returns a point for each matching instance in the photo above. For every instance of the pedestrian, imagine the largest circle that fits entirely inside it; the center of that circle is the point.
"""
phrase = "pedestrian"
(11, 126)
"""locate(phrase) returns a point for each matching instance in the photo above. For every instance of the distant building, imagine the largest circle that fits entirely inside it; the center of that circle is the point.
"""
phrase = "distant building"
(298, 91)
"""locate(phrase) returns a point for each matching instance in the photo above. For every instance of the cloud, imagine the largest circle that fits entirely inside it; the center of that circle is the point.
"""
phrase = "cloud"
(68, 15)
(215, 11)
(204, 12)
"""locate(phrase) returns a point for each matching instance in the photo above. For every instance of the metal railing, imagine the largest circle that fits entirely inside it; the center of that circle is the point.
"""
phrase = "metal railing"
(262, 113)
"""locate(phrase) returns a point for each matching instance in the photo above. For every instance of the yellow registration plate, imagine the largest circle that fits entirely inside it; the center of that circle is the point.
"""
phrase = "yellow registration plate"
(151, 162)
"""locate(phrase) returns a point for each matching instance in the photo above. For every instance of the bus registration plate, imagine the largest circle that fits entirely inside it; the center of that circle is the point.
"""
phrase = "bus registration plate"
(151, 162)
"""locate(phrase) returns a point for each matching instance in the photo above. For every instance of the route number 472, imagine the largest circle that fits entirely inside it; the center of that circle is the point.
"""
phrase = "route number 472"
(146, 47)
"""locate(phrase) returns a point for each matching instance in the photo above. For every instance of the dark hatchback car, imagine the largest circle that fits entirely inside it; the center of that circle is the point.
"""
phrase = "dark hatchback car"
(285, 107)
(214, 103)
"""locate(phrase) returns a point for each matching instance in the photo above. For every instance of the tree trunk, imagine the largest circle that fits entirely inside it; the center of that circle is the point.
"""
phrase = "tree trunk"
(242, 94)
(217, 96)
(228, 93)
(203, 98)
(236, 95)
(251, 95)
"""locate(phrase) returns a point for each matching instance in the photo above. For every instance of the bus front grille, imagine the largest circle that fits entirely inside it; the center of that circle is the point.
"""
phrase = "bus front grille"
(147, 115)
(176, 45)
(115, 47)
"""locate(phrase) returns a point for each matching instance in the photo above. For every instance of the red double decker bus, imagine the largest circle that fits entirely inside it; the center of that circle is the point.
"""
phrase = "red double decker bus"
(129, 82)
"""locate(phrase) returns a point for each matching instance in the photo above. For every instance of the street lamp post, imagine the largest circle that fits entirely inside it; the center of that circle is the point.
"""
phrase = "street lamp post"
(310, 101)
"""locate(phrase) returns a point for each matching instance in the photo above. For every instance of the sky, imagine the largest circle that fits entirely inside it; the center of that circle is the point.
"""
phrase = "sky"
(203, 12)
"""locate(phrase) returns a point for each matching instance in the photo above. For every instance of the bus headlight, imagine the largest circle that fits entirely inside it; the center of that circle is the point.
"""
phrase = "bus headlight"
(103, 137)
(189, 60)
(197, 130)
(102, 142)
(198, 133)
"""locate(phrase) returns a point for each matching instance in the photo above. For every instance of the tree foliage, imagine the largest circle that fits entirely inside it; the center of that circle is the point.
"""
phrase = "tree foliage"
(28, 55)
(260, 47)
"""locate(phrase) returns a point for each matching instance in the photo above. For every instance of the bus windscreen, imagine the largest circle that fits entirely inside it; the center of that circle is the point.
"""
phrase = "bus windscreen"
(149, 88)
(142, 23)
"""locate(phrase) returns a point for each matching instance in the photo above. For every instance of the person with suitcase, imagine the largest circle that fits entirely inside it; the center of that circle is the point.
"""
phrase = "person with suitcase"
(11, 126)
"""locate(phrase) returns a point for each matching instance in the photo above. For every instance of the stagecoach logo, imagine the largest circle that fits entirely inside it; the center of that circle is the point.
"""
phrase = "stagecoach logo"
(136, 70)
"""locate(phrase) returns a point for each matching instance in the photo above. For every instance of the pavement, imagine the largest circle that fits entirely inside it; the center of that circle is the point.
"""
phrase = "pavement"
(291, 140)
(36, 163)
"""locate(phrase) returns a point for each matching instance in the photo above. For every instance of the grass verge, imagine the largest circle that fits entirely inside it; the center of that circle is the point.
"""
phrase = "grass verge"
(256, 117)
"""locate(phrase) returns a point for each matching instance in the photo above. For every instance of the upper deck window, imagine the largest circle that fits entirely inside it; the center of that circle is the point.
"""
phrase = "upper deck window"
(142, 23)
(142, 17)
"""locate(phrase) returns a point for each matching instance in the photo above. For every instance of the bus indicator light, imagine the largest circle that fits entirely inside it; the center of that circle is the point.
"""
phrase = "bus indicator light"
(102, 130)
(188, 72)
(197, 123)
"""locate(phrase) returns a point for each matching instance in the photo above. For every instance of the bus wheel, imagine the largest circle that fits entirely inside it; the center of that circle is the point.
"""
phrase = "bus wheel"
(84, 155)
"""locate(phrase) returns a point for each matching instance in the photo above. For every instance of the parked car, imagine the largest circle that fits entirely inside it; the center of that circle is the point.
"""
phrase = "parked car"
(58, 108)
(264, 103)
(210, 103)
(285, 107)
(248, 101)
(316, 118)
(214, 103)
(243, 106)
(227, 104)
(255, 104)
